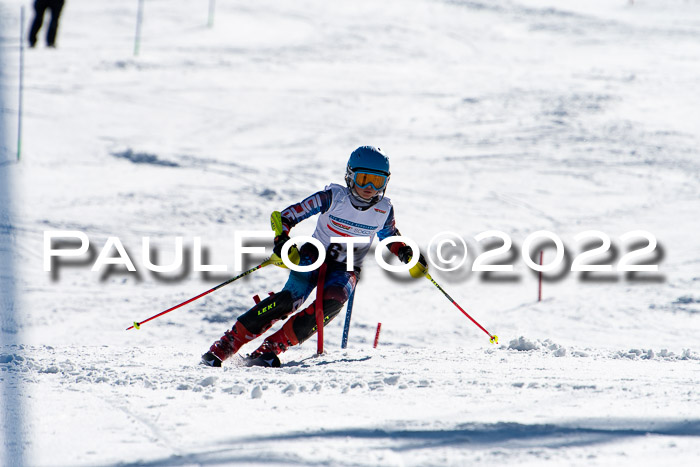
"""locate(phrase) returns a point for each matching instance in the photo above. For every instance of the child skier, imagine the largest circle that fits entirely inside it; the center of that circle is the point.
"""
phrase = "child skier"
(357, 209)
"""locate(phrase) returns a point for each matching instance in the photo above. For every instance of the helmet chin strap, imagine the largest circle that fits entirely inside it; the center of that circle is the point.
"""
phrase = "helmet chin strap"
(357, 195)
(365, 203)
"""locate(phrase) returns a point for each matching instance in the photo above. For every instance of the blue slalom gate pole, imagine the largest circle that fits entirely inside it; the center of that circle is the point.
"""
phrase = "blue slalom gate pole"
(348, 315)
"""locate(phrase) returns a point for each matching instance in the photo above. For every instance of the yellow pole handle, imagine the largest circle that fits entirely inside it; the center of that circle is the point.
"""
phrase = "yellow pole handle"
(278, 229)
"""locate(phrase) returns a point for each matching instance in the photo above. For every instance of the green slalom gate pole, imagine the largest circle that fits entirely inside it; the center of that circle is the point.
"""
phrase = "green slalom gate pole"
(212, 7)
(139, 20)
(493, 338)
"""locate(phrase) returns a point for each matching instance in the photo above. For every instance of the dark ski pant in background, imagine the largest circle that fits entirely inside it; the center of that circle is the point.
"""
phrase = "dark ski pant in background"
(40, 7)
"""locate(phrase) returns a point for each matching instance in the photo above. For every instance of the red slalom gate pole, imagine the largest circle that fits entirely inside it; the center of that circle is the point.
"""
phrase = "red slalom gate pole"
(267, 262)
(319, 308)
(539, 295)
(376, 336)
(493, 338)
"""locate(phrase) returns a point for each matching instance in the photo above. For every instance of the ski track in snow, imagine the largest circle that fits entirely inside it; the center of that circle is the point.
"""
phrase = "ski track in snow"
(260, 407)
(512, 115)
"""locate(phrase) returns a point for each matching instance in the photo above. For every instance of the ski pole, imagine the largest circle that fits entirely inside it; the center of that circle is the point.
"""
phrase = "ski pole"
(276, 222)
(267, 262)
(348, 316)
(492, 338)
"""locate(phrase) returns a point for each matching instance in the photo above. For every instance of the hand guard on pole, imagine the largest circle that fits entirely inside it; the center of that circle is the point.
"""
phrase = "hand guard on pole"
(279, 242)
(405, 254)
(281, 238)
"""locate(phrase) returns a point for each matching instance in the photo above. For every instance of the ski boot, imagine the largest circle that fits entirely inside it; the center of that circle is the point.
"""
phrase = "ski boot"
(267, 359)
(228, 345)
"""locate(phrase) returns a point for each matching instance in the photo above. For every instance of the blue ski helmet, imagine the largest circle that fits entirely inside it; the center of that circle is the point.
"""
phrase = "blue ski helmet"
(368, 160)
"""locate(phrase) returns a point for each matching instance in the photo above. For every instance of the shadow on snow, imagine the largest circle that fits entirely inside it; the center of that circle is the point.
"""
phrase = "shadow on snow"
(501, 435)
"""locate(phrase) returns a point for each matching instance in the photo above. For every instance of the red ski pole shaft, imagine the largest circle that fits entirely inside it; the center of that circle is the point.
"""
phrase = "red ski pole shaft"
(376, 336)
(492, 338)
(267, 262)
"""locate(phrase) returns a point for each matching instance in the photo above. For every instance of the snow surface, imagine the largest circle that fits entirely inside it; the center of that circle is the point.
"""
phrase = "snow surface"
(515, 116)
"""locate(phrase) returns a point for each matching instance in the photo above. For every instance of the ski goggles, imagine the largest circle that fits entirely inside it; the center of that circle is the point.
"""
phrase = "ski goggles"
(364, 179)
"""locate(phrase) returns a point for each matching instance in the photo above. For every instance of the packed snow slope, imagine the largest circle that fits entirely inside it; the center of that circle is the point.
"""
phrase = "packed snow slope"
(512, 116)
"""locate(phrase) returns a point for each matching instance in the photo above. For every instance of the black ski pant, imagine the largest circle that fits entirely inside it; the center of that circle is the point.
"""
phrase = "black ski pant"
(40, 7)
(337, 287)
